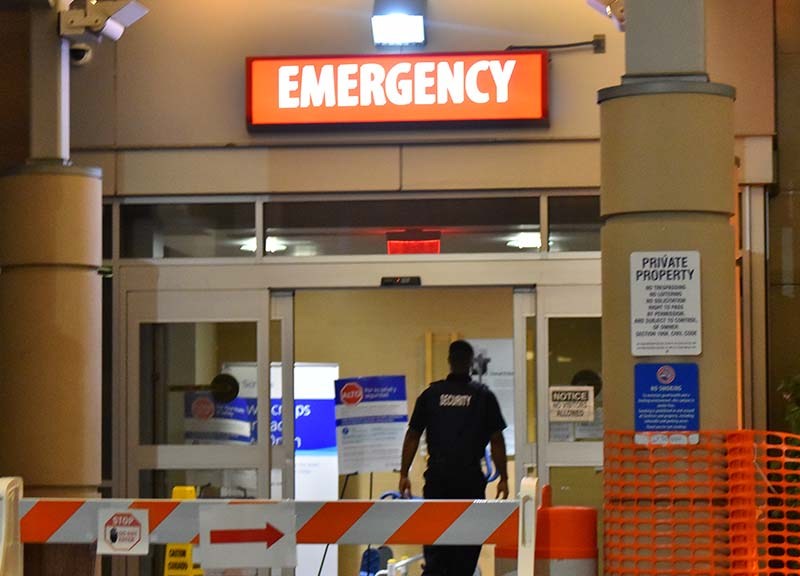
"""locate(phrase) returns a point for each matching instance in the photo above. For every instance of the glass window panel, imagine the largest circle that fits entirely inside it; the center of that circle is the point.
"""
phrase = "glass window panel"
(107, 231)
(574, 223)
(178, 363)
(575, 360)
(464, 225)
(187, 230)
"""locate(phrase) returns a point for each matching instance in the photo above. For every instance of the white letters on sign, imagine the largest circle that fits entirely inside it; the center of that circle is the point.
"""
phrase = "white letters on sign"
(421, 83)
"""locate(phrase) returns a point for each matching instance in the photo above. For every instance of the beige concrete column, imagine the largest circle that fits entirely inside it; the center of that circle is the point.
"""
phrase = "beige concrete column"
(667, 185)
(50, 341)
(667, 154)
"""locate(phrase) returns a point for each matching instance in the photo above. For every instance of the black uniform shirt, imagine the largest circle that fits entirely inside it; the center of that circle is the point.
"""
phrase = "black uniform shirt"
(458, 416)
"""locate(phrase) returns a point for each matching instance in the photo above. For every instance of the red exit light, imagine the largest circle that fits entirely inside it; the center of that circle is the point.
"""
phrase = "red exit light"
(413, 246)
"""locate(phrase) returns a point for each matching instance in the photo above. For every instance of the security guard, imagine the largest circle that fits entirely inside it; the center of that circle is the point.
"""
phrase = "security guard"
(460, 417)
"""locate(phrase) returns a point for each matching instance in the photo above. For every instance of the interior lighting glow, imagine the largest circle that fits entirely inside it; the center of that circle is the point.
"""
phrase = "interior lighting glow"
(526, 240)
(273, 244)
(398, 29)
(249, 245)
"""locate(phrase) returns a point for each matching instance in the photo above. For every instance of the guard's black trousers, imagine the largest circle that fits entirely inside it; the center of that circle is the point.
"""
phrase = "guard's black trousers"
(449, 484)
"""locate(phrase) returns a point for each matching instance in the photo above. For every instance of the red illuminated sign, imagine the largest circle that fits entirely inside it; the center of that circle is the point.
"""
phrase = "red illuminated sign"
(413, 246)
(490, 86)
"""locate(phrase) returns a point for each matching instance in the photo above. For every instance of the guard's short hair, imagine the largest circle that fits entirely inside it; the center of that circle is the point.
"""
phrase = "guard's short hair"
(461, 353)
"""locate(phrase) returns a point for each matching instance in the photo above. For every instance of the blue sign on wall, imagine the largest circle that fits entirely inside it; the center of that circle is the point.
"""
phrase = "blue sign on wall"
(666, 398)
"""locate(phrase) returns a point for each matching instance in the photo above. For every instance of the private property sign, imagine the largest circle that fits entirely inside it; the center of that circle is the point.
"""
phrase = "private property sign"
(666, 315)
(399, 88)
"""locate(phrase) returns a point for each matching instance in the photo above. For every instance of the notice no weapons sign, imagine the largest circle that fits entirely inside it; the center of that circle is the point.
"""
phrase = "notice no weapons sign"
(665, 304)
(571, 403)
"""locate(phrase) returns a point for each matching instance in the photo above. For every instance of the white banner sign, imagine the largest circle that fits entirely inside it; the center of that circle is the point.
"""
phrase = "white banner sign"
(665, 304)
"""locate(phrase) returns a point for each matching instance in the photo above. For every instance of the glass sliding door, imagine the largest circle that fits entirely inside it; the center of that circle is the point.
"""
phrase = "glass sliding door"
(197, 376)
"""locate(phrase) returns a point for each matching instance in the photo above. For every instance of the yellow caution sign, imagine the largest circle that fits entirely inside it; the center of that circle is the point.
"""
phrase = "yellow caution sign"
(178, 561)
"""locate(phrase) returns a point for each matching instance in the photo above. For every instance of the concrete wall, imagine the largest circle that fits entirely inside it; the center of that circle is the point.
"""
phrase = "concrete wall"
(163, 110)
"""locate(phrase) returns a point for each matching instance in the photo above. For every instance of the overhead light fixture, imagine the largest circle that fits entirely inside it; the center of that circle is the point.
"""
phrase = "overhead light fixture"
(525, 240)
(398, 23)
(614, 9)
(100, 19)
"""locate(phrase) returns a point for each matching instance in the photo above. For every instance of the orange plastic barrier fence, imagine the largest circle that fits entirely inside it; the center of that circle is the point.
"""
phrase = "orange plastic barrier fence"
(727, 505)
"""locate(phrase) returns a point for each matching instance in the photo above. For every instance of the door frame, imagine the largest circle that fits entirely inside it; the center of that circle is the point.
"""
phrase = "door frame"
(195, 306)
(561, 302)
(208, 280)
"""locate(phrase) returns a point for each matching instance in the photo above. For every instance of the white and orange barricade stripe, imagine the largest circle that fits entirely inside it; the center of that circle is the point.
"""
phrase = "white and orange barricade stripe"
(74, 521)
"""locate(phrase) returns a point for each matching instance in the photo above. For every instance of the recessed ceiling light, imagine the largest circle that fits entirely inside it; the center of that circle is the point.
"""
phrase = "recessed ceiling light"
(526, 240)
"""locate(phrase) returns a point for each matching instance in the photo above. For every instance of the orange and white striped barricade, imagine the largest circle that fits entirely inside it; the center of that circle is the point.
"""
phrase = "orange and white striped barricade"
(454, 522)
(414, 522)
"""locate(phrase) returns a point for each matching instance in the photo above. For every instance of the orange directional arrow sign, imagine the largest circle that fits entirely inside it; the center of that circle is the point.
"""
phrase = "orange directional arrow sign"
(269, 535)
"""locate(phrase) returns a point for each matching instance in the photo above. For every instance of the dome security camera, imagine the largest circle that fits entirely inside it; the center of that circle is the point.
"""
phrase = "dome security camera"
(80, 54)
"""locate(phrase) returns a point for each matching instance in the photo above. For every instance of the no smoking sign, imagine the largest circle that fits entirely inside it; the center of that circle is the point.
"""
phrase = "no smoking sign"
(123, 532)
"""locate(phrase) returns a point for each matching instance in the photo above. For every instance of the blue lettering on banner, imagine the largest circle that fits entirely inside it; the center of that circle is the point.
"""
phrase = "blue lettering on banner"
(666, 397)
(313, 424)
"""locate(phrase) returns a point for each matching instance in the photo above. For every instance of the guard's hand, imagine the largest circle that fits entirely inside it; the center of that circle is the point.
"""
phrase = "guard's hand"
(405, 486)
(502, 488)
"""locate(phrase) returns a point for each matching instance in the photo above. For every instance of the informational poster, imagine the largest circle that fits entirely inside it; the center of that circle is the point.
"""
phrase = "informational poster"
(494, 362)
(667, 403)
(665, 304)
(571, 403)
(371, 422)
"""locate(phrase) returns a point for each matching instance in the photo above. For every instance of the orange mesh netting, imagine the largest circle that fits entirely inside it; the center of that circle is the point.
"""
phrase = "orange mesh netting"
(727, 505)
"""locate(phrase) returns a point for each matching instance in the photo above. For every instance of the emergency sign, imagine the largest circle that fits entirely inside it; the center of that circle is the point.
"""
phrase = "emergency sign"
(397, 88)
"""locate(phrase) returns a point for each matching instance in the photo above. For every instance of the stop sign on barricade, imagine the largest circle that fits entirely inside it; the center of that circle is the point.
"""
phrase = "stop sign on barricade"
(123, 532)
